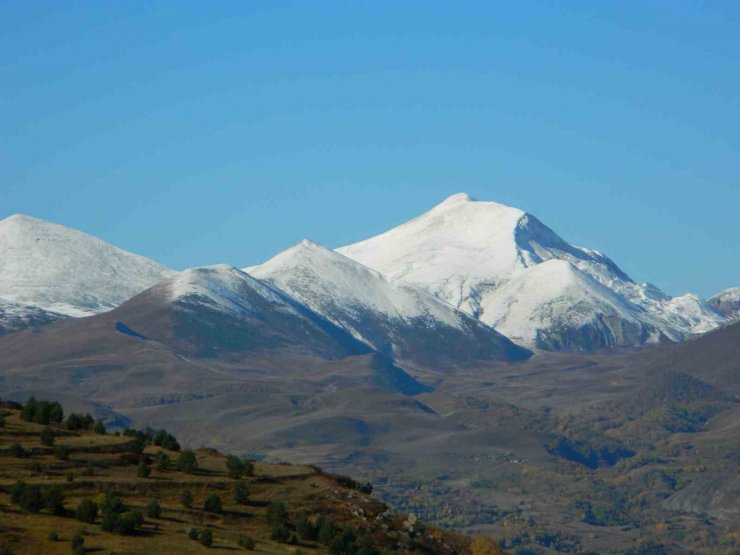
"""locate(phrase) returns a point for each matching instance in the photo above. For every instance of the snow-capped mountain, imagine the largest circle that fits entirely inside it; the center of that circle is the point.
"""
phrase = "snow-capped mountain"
(728, 303)
(485, 258)
(16, 317)
(219, 310)
(393, 317)
(64, 271)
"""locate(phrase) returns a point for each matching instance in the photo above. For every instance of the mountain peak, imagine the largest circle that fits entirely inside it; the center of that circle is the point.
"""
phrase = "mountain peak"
(63, 270)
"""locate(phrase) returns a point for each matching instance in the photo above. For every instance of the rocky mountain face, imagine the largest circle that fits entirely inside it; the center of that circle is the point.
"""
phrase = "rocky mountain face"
(506, 268)
(728, 303)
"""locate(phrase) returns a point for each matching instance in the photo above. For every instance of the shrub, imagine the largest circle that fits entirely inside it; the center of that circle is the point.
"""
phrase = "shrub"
(47, 436)
(193, 533)
(128, 523)
(54, 499)
(16, 450)
(53, 536)
(99, 427)
(205, 537)
(5, 550)
(2, 420)
(247, 542)
(78, 540)
(153, 509)
(87, 511)
(70, 476)
(186, 499)
(61, 452)
(325, 530)
(142, 470)
(305, 528)
(213, 503)
(241, 494)
(187, 462)
(276, 513)
(89, 469)
(280, 533)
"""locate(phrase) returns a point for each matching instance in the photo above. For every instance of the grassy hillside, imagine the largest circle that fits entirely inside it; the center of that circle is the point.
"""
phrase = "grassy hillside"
(51, 475)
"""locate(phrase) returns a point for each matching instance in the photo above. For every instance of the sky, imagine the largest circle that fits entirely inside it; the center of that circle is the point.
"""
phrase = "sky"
(205, 132)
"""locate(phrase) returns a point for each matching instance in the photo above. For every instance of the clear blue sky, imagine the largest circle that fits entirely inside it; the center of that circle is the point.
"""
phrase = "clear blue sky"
(205, 132)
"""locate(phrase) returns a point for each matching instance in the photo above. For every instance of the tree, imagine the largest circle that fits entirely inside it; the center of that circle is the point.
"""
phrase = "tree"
(305, 528)
(205, 537)
(280, 532)
(61, 452)
(78, 540)
(162, 460)
(187, 462)
(87, 511)
(247, 542)
(154, 509)
(31, 499)
(128, 523)
(47, 436)
(54, 499)
(186, 499)
(142, 470)
(28, 412)
(16, 450)
(99, 427)
(325, 530)
(241, 494)
(2, 420)
(276, 513)
(56, 413)
(235, 467)
(213, 503)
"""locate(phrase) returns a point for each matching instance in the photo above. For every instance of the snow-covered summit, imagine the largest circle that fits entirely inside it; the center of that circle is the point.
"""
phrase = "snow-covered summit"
(224, 288)
(728, 302)
(390, 315)
(465, 251)
(65, 271)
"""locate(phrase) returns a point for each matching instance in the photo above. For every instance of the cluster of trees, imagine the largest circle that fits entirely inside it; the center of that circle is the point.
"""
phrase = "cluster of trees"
(159, 438)
(236, 467)
(322, 530)
(204, 537)
(42, 412)
(34, 498)
(116, 517)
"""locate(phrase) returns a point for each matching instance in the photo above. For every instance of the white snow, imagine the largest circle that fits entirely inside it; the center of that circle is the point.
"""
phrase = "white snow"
(479, 256)
(329, 283)
(728, 302)
(222, 287)
(66, 271)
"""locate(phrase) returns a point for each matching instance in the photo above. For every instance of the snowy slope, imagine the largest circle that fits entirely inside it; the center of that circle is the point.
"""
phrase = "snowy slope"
(464, 251)
(728, 303)
(219, 310)
(65, 271)
(391, 316)
(16, 317)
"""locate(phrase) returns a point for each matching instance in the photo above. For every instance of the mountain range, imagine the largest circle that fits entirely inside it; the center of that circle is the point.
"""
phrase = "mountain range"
(464, 281)
(480, 371)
